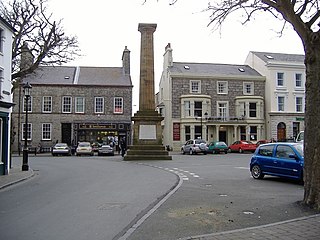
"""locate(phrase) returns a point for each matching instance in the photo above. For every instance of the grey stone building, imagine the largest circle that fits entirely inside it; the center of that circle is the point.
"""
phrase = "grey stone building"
(223, 102)
(72, 104)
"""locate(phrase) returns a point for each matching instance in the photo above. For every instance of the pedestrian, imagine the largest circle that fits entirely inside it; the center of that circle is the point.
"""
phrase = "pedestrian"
(123, 145)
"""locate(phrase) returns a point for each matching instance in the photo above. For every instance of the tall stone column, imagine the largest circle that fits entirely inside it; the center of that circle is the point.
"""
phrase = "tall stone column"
(146, 100)
(147, 131)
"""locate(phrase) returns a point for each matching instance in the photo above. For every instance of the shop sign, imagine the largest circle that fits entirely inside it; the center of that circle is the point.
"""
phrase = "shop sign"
(176, 131)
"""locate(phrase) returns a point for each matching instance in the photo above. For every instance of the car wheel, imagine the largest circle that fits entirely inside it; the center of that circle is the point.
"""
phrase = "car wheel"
(229, 150)
(225, 152)
(182, 151)
(240, 150)
(256, 172)
(190, 151)
(205, 153)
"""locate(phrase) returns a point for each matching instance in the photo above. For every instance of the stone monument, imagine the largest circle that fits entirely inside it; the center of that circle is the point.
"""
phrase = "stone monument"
(147, 131)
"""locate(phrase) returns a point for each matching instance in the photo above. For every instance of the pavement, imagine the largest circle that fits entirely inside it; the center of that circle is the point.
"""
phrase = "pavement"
(306, 228)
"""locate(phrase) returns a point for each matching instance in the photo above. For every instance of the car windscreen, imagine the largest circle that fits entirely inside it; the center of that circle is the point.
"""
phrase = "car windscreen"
(299, 148)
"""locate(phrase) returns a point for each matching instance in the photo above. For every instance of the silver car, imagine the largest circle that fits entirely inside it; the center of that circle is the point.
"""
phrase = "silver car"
(194, 146)
(105, 150)
(84, 148)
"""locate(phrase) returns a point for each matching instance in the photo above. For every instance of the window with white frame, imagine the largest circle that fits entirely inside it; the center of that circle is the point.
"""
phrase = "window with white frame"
(195, 86)
(29, 131)
(298, 80)
(299, 104)
(252, 109)
(118, 105)
(280, 103)
(46, 131)
(46, 104)
(1, 39)
(248, 88)
(98, 104)
(29, 104)
(197, 109)
(280, 79)
(222, 87)
(79, 104)
(222, 108)
(1, 81)
(242, 108)
(187, 108)
(66, 104)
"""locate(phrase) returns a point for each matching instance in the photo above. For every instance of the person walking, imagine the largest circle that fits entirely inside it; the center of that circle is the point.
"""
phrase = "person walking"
(123, 145)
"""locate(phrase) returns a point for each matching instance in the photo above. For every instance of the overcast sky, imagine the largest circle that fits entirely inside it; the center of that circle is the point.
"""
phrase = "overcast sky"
(105, 27)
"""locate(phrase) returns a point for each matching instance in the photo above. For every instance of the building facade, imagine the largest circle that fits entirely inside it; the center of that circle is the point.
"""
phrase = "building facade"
(285, 92)
(6, 102)
(74, 104)
(211, 101)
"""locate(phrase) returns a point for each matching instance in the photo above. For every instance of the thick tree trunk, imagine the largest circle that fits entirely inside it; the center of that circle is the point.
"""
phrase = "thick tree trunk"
(312, 123)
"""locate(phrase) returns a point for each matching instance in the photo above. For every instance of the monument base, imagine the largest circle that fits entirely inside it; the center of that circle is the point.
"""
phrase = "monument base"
(146, 152)
(147, 138)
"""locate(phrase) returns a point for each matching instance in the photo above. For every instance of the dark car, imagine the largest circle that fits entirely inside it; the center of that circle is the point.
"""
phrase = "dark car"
(61, 149)
(278, 159)
(242, 146)
(217, 147)
(194, 146)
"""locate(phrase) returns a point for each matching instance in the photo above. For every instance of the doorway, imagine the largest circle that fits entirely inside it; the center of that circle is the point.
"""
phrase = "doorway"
(223, 136)
(66, 133)
(281, 132)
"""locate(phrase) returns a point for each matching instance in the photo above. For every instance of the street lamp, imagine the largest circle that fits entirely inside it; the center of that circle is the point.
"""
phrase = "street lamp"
(205, 116)
(26, 90)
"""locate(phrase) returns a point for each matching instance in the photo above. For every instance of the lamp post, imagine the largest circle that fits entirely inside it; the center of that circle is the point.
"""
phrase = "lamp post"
(206, 116)
(26, 90)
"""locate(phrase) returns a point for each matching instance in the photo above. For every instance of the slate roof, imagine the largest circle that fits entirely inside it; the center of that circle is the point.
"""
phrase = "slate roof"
(70, 75)
(280, 57)
(212, 69)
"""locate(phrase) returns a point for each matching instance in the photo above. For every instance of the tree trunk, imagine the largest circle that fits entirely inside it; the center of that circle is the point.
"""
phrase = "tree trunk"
(312, 123)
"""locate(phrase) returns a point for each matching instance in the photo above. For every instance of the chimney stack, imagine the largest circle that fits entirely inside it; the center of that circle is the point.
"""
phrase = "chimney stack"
(126, 61)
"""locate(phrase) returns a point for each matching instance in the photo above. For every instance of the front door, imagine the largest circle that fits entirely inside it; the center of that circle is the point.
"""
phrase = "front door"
(66, 133)
(281, 131)
(223, 136)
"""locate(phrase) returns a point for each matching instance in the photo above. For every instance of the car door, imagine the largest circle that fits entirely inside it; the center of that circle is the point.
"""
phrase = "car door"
(286, 163)
(266, 159)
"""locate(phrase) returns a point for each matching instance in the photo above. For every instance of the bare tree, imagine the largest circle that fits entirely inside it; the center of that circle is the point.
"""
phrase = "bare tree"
(304, 16)
(37, 36)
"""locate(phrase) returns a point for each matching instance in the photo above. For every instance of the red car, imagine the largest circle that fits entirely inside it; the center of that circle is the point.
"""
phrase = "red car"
(242, 146)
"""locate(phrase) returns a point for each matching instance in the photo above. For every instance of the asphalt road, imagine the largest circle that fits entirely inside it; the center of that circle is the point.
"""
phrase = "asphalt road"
(106, 198)
(219, 194)
(80, 198)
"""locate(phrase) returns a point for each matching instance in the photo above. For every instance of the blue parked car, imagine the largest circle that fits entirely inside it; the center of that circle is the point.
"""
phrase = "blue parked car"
(278, 159)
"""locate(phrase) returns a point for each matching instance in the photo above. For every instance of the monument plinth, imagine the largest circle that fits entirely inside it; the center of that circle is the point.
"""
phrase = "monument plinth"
(147, 131)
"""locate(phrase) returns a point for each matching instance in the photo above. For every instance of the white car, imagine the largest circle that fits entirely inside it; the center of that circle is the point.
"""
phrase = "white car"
(84, 148)
(194, 146)
(105, 150)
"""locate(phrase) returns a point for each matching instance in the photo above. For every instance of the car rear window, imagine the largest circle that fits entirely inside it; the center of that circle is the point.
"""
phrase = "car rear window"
(265, 151)
(200, 141)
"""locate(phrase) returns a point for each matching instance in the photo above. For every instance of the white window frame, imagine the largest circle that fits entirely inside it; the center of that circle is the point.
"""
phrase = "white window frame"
(298, 80)
(281, 106)
(66, 104)
(2, 37)
(245, 88)
(195, 86)
(187, 108)
(46, 131)
(300, 104)
(47, 104)
(280, 79)
(249, 109)
(78, 105)
(100, 106)
(29, 131)
(222, 87)
(224, 114)
(29, 104)
(118, 103)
